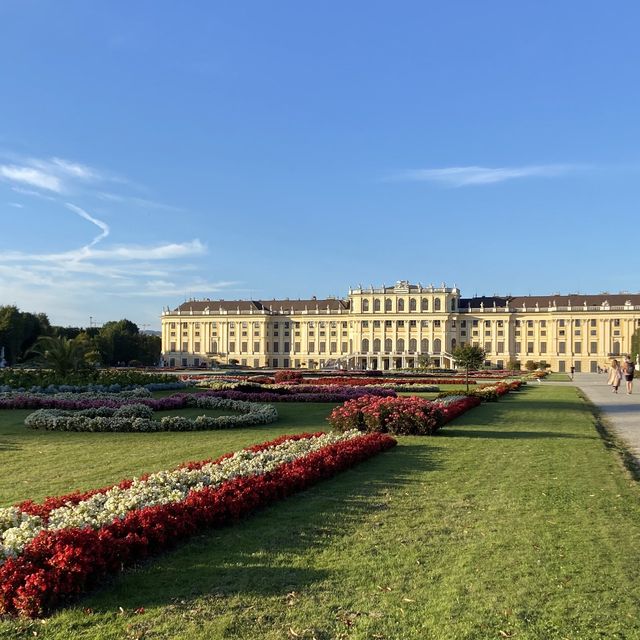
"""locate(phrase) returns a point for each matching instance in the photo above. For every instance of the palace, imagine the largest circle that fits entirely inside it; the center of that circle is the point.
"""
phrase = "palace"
(395, 327)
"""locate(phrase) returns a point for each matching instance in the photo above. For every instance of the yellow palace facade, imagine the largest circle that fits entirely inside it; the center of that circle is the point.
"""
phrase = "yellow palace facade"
(395, 327)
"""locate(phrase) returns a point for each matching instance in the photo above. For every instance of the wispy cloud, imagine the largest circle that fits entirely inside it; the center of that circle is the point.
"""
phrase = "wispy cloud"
(31, 176)
(473, 175)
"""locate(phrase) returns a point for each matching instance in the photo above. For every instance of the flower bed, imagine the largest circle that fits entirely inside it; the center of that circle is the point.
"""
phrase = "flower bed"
(486, 393)
(305, 393)
(139, 417)
(63, 551)
(364, 381)
(403, 416)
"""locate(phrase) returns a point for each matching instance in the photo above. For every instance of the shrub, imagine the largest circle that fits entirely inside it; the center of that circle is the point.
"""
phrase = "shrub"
(287, 376)
(404, 416)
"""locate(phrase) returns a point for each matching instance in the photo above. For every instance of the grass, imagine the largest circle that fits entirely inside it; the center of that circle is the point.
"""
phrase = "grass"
(558, 377)
(518, 521)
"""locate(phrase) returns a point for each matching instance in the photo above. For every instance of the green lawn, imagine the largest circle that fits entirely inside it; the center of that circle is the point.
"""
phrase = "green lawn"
(517, 521)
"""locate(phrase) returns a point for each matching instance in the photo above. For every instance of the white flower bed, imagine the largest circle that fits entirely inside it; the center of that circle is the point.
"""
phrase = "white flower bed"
(17, 528)
(139, 418)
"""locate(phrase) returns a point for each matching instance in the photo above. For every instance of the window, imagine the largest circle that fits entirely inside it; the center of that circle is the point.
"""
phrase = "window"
(334, 346)
(594, 332)
(376, 324)
(475, 323)
(424, 305)
(388, 344)
(487, 347)
(437, 304)
(413, 344)
(388, 304)
(323, 347)
(312, 346)
(172, 346)
(285, 362)
(463, 323)
(500, 323)
(365, 345)
(529, 347)
(365, 305)
(562, 347)
(287, 347)
(388, 323)
(412, 304)
(344, 347)
(577, 347)
(365, 324)
(518, 347)
(424, 323)
(197, 333)
(530, 333)
(376, 305)
(244, 347)
(184, 362)
(576, 322)
(232, 346)
(275, 325)
(244, 325)
(275, 362)
(487, 323)
(185, 346)
(529, 323)
(436, 323)
(561, 323)
(296, 347)
(399, 344)
(196, 347)
(173, 334)
(400, 304)
(453, 304)
(286, 325)
(172, 325)
(376, 345)
(400, 324)
(244, 333)
(256, 346)
(275, 347)
(593, 323)
(487, 333)
(424, 345)
(500, 347)
(616, 322)
(543, 347)
(413, 323)
(594, 347)
(184, 333)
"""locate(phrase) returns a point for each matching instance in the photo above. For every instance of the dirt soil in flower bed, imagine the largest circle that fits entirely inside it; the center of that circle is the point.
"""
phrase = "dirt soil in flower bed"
(516, 521)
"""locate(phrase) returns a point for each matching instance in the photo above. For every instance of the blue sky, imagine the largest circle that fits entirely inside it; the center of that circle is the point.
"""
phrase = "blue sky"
(153, 151)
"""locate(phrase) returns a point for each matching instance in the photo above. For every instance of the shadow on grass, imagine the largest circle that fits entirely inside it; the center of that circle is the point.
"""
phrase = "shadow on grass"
(258, 555)
(513, 435)
(6, 445)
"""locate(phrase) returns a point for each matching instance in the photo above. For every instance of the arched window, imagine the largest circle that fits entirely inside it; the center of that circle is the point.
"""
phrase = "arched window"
(412, 304)
(424, 345)
(388, 344)
(436, 304)
(400, 344)
(400, 304)
(413, 345)
(376, 345)
(453, 304)
(424, 305)
(388, 304)
(454, 343)
(616, 348)
(376, 305)
(365, 345)
(365, 305)
(437, 345)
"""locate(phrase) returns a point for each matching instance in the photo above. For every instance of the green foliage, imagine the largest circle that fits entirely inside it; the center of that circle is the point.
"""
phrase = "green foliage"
(635, 344)
(513, 365)
(62, 355)
(469, 357)
(19, 331)
(530, 365)
(27, 378)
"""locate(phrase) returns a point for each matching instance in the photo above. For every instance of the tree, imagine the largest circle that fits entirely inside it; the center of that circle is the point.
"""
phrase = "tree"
(118, 341)
(424, 362)
(62, 355)
(19, 330)
(469, 357)
(530, 365)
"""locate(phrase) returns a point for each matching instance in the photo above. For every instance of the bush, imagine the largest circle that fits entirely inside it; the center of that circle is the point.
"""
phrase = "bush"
(287, 376)
(403, 416)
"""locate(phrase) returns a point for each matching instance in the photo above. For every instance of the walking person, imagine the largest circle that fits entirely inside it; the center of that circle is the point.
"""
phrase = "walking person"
(615, 375)
(629, 369)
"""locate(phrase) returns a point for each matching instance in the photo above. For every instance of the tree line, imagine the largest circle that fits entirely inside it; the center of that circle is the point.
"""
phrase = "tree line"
(118, 342)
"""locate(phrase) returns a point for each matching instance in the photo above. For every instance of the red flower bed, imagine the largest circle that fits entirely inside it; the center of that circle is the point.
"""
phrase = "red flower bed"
(63, 563)
(403, 416)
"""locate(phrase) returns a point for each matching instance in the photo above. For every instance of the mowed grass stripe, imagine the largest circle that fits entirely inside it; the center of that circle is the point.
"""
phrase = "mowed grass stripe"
(515, 521)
